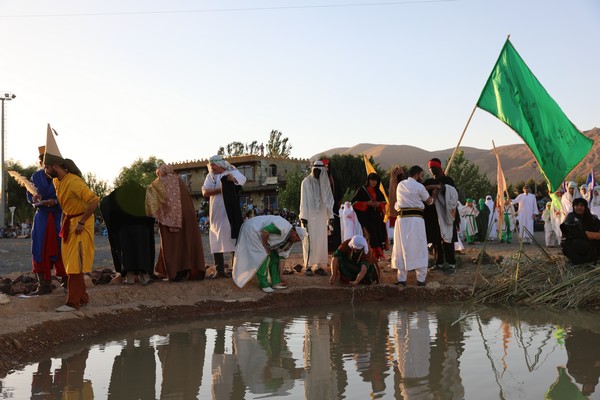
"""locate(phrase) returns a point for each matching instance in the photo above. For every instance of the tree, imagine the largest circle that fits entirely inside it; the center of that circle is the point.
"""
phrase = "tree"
(469, 182)
(98, 186)
(289, 196)
(349, 173)
(278, 147)
(17, 195)
(141, 171)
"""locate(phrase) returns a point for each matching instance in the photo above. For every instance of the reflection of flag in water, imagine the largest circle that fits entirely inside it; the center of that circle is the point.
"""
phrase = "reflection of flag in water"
(371, 170)
(591, 182)
(515, 96)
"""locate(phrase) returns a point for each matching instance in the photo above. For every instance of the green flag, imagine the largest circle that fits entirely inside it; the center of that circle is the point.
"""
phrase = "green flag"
(515, 96)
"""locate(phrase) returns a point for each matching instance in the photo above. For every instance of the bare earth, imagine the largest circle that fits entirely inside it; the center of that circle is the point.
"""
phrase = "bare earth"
(30, 326)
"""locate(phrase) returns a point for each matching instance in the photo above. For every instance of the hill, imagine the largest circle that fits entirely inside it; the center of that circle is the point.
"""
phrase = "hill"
(517, 161)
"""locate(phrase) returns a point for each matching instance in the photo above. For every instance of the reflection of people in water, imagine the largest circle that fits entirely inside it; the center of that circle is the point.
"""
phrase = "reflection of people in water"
(265, 362)
(584, 358)
(320, 381)
(69, 377)
(227, 382)
(134, 372)
(182, 361)
(42, 386)
(446, 350)
(412, 352)
(563, 388)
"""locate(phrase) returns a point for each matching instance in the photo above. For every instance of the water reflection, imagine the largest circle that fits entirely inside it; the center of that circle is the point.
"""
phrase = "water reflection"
(371, 351)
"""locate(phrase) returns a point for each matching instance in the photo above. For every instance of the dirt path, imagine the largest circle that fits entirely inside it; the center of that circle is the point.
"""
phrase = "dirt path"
(29, 326)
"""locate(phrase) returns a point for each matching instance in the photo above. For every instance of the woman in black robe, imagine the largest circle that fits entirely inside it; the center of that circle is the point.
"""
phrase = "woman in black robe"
(369, 204)
(581, 234)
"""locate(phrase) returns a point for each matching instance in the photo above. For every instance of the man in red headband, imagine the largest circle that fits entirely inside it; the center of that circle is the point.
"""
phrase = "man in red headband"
(441, 217)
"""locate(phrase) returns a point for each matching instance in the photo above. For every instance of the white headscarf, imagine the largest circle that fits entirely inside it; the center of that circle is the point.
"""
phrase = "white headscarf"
(359, 243)
(221, 162)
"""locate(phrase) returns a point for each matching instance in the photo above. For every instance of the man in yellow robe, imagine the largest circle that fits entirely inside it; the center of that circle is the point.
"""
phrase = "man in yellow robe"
(78, 203)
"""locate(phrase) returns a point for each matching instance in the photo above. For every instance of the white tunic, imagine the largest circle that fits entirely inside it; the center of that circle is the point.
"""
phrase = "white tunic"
(527, 209)
(250, 252)
(410, 240)
(219, 234)
(316, 206)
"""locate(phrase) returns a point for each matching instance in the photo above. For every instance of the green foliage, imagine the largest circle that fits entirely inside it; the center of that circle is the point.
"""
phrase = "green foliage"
(289, 196)
(349, 174)
(17, 195)
(141, 171)
(276, 146)
(232, 149)
(469, 182)
(98, 186)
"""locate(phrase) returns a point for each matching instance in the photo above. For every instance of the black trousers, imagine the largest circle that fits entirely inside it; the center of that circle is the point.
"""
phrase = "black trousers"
(443, 250)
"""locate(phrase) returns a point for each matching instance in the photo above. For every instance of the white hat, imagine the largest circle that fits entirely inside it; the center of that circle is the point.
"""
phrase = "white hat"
(572, 185)
(584, 186)
(302, 233)
(359, 243)
(319, 164)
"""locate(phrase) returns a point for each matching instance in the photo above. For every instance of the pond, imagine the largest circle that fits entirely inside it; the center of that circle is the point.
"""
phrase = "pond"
(347, 352)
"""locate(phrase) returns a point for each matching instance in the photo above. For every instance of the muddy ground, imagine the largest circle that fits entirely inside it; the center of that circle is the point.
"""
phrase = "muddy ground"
(30, 326)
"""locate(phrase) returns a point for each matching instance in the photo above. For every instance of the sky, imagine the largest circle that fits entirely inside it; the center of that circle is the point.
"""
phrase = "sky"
(124, 79)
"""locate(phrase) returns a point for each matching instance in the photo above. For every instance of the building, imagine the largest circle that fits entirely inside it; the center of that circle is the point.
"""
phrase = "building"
(265, 175)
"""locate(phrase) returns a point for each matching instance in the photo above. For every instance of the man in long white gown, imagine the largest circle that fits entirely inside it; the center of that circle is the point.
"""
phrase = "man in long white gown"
(316, 211)
(526, 213)
(493, 220)
(219, 234)
(410, 240)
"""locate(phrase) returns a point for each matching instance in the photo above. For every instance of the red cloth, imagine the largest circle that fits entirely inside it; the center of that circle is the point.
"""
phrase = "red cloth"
(77, 293)
(64, 230)
(50, 249)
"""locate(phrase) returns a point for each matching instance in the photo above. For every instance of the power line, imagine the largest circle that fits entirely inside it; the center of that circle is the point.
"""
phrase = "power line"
(215, 10)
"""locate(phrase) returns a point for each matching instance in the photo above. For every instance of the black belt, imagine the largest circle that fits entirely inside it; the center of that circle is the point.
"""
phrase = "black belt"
(410, 212)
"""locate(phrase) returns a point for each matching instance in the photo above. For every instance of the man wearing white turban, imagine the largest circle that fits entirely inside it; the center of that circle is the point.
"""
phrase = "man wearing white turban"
(316, 211)
(220, 233)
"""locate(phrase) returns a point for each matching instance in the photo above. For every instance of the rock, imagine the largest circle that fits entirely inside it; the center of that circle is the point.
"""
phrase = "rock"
(5, 288)
(17, 344)
(18, 288)
(88, 281)
(298, 267)
(4, 299)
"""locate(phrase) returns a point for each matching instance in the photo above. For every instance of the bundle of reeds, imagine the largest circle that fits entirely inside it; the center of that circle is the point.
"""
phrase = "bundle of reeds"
(550, 282)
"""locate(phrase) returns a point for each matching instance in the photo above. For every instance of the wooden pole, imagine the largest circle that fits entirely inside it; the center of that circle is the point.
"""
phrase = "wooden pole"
(460, 140)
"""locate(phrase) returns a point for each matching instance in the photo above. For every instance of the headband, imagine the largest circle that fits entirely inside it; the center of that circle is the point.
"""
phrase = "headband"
(433, 163)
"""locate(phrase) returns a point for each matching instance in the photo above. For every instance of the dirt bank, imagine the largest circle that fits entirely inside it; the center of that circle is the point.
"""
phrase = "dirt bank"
(30, 326)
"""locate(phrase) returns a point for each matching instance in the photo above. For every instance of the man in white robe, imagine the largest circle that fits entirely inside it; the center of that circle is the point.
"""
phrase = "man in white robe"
(526, 213)
(493, 221)
(410, 240)
(219, 234)
(316, 212)
(263, 243)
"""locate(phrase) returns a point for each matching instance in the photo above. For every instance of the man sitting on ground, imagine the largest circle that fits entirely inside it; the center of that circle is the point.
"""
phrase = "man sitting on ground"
(352, 263)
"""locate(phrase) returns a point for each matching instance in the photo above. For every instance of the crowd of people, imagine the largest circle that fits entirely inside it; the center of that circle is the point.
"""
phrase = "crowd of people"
(425, 215)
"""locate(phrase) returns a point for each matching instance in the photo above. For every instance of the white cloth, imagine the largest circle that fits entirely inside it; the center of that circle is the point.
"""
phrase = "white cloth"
(445, 205)
(410, 240)
(595, 203)
(413, 354)
(527, 209)
(219, 235)
(469, 215)
(250, 252)
(349, 224)
(549, 233)
(316, 207)
(493, 221)
(556, 219)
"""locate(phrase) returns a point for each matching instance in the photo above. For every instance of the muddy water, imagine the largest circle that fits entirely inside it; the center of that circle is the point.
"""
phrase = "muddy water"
(350, 352)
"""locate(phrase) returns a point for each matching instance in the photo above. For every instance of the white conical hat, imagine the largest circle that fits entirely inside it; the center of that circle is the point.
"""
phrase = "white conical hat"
(52, 154)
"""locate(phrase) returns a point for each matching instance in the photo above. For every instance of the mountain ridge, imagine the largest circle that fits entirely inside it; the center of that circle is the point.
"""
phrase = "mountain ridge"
(517, 160)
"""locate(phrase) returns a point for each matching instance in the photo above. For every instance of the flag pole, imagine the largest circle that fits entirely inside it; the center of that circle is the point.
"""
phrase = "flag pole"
(460, 140)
